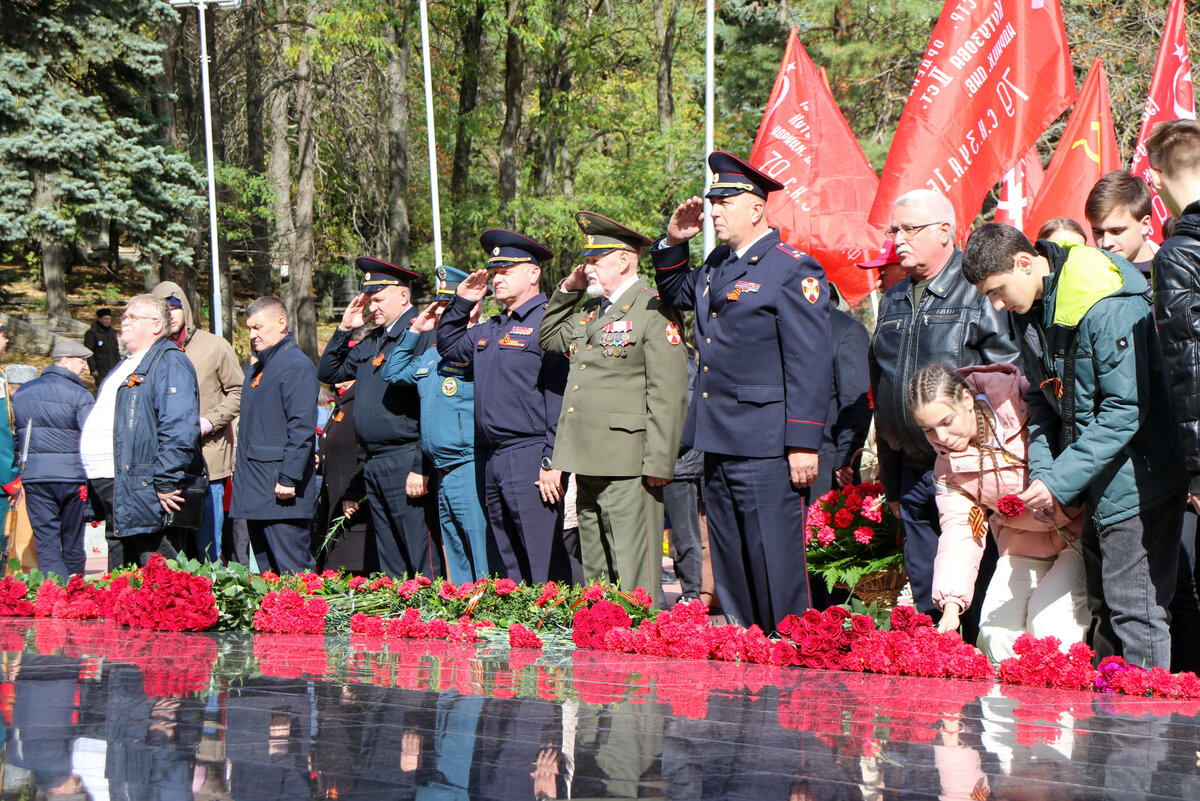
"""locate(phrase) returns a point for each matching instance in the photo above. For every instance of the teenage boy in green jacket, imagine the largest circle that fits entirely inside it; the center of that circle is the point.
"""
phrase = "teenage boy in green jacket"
(1101, 424)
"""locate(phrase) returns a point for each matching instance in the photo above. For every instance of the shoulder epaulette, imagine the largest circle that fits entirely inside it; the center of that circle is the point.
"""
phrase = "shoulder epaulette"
(791, 251)
(651, 291)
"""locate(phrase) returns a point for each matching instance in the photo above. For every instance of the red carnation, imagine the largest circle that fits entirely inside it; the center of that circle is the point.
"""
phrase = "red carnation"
(521, 637)
(843, 518)
(504, 586)
(1010, 506)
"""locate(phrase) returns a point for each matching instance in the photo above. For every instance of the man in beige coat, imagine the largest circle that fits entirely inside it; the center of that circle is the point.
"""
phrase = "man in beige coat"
(219, 376)
(624, 404)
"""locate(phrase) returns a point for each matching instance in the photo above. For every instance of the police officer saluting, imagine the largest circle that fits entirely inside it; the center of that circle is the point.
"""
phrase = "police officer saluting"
(624, 405)
(759, 408)
(388, 417)
(518, 396)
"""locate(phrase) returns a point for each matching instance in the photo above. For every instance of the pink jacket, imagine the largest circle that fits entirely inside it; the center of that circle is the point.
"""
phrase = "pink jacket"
(957, 479)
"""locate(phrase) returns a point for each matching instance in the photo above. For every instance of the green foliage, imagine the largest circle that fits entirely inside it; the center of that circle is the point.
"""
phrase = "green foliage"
(245, 197)
(78, 144)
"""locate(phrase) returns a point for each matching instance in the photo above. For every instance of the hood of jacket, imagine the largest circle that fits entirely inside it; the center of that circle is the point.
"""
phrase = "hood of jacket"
(1080, 277)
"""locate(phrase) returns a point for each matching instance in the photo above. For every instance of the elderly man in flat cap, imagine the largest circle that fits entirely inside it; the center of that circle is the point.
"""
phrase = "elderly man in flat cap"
(624, 405)
(49, 413)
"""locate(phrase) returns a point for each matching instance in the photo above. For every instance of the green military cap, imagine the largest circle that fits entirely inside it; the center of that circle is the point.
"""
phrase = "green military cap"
(602, 235)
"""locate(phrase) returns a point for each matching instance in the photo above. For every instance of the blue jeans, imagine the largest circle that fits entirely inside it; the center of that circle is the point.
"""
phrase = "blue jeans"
(463, 523)
(206, 540)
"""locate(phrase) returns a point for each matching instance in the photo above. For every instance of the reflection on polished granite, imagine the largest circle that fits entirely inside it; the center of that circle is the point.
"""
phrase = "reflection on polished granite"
(121, 714)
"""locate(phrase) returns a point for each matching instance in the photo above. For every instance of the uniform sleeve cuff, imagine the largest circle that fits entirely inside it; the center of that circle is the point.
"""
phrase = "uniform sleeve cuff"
(12, 487)
(804, 434)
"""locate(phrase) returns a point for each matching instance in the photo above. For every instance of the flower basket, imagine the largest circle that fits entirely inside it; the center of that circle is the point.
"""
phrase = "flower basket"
(882, 588)
(851, 536)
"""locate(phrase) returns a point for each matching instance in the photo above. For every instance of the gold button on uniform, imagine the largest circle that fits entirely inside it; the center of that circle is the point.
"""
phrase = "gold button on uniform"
(570, 410)
(583, 367)
(575, 388)
(705, 368)
(704, 394)
(708, 340)
(589, 347)
(714, 314)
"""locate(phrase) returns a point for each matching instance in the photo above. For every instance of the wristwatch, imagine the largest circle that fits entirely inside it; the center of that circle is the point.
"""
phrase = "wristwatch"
(546, 463)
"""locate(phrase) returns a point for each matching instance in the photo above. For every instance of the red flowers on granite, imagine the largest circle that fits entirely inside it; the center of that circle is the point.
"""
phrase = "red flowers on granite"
(166, 600)
(521, 637)
(287, 611)
(592, 623)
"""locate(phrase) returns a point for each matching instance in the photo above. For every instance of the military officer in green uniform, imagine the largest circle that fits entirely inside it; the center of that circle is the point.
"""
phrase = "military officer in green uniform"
(624, 404)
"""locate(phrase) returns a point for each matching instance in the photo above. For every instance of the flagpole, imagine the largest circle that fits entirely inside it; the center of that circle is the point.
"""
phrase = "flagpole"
(433, 179)
(709, 79)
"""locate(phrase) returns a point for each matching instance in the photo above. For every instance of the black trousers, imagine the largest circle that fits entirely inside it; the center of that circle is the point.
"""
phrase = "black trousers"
(125, 550)
(56, 516)
(281, 544)
(402, 536)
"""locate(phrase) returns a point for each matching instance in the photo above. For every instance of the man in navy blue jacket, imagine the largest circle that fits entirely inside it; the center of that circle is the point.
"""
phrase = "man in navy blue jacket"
(388, 418)
(759, 408)
(519, 394)
(273, 487)
(49, 413)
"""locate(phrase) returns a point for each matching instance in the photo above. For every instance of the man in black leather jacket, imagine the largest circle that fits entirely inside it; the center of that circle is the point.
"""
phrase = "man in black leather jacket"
(1174, 154)
(933, 315)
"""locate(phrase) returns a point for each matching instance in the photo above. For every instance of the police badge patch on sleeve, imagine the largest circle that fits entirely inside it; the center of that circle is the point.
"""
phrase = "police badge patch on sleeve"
(811, 288)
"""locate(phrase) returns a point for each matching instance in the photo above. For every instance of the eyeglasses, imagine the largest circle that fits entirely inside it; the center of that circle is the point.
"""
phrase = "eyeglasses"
(125, 318)
(909, 230)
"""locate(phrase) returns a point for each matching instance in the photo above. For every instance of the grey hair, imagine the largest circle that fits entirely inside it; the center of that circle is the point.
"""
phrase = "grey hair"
(934, 202)
(157, 307)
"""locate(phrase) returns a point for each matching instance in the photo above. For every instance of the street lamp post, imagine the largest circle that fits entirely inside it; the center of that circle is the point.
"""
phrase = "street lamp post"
(228, 5)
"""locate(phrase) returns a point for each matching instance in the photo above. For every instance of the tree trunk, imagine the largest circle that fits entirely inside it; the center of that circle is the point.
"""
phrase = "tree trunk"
(551, 125)
(471, 39)
(664, 26)
(52, 253)
(256, 152)
(397, 89)
(279, 167)
(514, 99)
(301, 306)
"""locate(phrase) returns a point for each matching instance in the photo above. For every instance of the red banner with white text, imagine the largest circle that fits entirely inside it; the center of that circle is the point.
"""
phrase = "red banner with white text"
(1086, 151)
(805, 143)
(1170, 98)
(996, 73)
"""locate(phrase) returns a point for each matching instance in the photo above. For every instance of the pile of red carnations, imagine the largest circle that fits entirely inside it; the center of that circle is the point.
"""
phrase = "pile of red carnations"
(598, 618)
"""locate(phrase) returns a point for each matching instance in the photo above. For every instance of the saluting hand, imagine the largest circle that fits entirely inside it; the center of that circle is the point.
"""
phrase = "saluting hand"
(577, 280)
(686, 222)
(427, 320)
(474, 286)
(353, 316)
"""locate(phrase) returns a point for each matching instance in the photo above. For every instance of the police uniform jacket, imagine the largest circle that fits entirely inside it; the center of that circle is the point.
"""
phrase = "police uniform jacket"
(519, 386)
(276, 435)
(447, 400)
(389, 413)
(626, 395)
(762, 332)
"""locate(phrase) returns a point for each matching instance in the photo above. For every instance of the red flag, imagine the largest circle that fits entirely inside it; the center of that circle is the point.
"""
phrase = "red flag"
(804, 143)
(1170, 99)
(1087, 150)
(1020, 187)
(994, 76)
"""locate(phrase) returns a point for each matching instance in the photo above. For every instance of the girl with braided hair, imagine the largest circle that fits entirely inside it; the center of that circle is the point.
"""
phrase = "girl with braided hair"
(976, 420)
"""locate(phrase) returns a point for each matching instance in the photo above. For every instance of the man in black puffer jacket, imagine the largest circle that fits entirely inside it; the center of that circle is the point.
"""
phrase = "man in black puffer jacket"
(49, 413)
(1174, 154)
